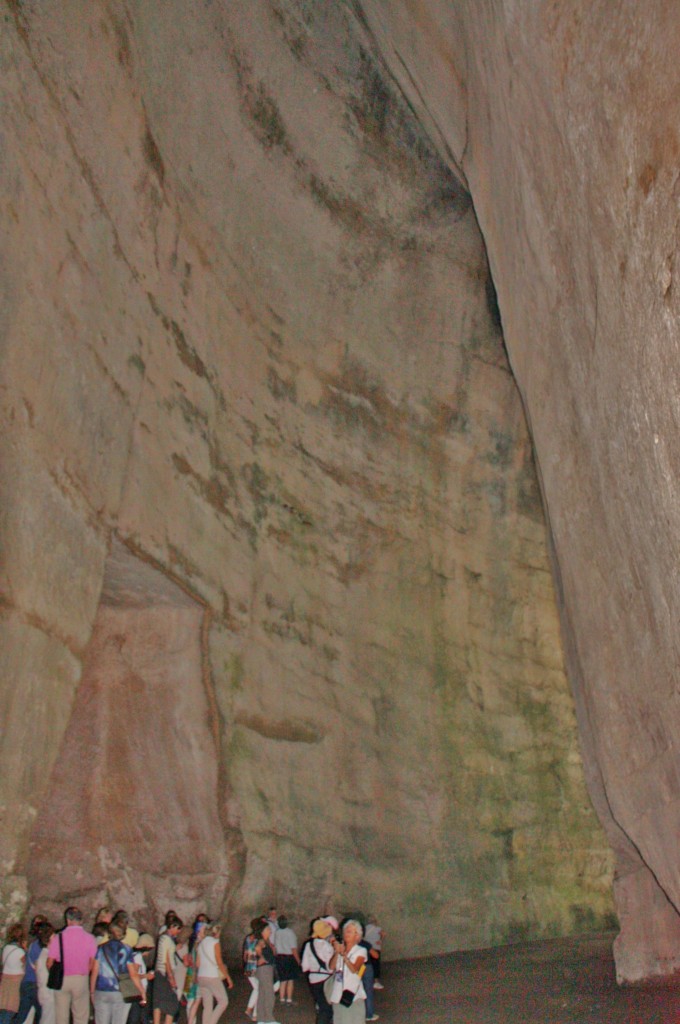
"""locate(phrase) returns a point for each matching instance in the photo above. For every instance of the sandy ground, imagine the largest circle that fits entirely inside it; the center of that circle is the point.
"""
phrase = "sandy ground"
(563, 981)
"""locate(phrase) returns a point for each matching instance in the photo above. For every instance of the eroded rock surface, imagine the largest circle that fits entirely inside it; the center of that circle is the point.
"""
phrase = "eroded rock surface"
(251, 348)
(563, 120)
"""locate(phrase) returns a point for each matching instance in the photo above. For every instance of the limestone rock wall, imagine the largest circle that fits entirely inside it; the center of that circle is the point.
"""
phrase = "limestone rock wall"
(562, 118)
(271, 522)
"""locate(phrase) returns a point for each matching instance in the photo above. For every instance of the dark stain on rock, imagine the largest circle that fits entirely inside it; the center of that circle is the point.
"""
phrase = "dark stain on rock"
(374, 109)
(354, 398)
(282, 537)
(393, 134)
(350, 571)
(136, 361)
(646, 178)
(303, 518)
(213, 490)
(288, 730)
(506, 836)
(496, 492)
(345, 477)
(30, 412)
(293, 33)
(124, 53)
(287, 630)
(492, 303)
(18, 12)
(280, 388)
(219, 466)
(501, 450)
(664, 155)
(257, 482)
(260, 107)
(194, 417)
(298, 46)
(450, 196)
(186, 280)
(351, 410)
(249, 529)
(286, 623)
(528, 497)
(187, 352)
(342, 208)
(266, 116)
(452, 419)
(152, 155)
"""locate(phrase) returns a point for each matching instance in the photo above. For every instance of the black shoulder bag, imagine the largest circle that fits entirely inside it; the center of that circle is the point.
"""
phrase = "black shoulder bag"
(55, 975)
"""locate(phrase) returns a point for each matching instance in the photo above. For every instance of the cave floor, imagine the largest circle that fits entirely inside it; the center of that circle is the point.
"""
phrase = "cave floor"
(561, 981)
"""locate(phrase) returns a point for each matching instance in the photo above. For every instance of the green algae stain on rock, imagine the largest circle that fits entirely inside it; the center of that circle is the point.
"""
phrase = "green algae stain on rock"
(235, 672)
(266, 116)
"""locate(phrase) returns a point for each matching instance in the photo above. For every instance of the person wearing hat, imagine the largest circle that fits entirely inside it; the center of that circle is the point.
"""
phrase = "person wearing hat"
(316, 956)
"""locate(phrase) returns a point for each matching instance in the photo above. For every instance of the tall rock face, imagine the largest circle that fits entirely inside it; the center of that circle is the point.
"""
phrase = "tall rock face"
(277, 611)
(563, 120)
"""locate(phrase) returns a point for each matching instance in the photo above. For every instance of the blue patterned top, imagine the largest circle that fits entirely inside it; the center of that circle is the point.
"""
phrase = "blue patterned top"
(120, 956)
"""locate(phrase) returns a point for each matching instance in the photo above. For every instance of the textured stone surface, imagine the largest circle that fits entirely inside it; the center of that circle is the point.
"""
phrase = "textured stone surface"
(269, 499)
(145, 811)
(563, 120)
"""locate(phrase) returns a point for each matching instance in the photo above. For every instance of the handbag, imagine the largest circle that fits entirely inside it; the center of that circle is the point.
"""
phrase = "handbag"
(55, 975)
(126, 985)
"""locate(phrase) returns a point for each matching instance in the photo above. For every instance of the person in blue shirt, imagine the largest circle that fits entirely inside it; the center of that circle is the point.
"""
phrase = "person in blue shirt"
(28, 990)
(113, 958)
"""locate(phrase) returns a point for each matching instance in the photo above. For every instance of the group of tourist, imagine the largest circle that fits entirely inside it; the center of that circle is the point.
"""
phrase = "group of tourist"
(122, 974)
(338, 960)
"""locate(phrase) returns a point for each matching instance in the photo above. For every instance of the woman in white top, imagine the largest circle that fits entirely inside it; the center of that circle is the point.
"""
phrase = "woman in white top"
(348, 962)
(13, 966)
(45, 994)
(212, 974)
